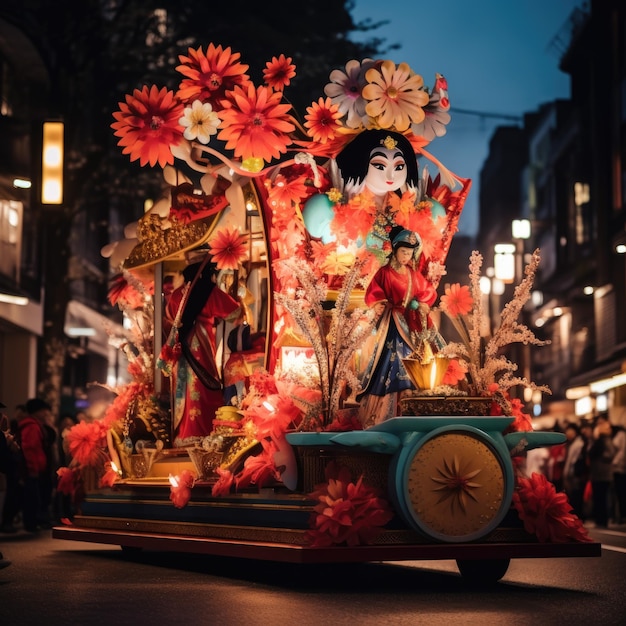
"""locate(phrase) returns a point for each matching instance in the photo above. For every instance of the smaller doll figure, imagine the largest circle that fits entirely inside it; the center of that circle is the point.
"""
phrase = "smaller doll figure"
(196, 379)
(402, 297)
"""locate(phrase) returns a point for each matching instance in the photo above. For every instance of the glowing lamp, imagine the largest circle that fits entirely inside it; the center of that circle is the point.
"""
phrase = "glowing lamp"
(52, 163)
(426, 374)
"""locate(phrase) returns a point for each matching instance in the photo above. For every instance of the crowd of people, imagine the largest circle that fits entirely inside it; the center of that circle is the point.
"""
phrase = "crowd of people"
(32, 448)
(590, 467)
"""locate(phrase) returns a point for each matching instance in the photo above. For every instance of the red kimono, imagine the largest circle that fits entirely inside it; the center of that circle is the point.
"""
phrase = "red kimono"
(385, 375)
(194, 404)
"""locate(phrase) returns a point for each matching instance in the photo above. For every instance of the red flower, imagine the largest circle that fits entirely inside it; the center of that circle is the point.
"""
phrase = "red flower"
(522, 422)
(86, 442)
(273, 415)
(70, 482)
(254, 123)
(180, 488)
(109, 478)
(147, 124)
(257, 470)
(209, 76)
(321, 120)
(228, 248)
(347, 513)
(262, 383)
(546, 513)
(224, 484)
(278, 72)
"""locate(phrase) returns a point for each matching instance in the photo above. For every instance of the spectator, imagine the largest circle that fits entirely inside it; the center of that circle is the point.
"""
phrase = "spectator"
(619, 474)
(601, 452)
(576, 468)
(33, 440)
(556, 463)
(11, 465)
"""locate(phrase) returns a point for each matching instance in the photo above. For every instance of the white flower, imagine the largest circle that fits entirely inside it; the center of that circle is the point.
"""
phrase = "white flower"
(200, 122)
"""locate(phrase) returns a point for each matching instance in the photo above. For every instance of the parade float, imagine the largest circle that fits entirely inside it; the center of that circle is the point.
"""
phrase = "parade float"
(281, 404)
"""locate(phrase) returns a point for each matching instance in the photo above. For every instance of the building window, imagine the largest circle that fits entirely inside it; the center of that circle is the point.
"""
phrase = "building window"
(10, 238)
(581, 201)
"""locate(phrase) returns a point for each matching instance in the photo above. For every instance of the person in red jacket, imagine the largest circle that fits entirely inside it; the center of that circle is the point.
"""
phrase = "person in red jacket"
(33, 442)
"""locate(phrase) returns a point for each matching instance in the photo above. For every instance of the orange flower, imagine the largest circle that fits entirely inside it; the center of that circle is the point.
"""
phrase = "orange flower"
(396, 96)
(283, 193)
(455, 373)
(321, 120)
(255, 124)
(457, 300)
(147, 124)
(209, 76)
(278, 72)
(228, 248)
(124, 293)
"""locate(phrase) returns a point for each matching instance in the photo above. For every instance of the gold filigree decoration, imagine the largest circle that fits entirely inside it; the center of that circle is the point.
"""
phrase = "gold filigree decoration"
(163, 237)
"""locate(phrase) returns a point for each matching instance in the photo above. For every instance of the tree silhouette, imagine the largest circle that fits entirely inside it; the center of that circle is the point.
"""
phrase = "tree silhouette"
(96, 51)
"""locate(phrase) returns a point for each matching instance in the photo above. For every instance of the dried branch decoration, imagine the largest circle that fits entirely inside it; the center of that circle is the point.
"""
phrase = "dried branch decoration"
(334, 336)
(488, 366)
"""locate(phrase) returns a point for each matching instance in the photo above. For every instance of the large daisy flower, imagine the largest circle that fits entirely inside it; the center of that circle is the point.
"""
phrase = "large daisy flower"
(255, 123)
(228, 248)
(147, 123)
(209, 76)
(395, 96)
(200, 122)
(345, 91)
(321, 120)
(278, 72)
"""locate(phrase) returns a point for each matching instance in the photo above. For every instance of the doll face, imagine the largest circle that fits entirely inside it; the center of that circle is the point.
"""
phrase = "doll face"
(404, 255)
(386, 170)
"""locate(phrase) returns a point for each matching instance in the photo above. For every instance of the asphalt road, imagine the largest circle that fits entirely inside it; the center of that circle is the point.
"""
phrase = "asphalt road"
(56, 582)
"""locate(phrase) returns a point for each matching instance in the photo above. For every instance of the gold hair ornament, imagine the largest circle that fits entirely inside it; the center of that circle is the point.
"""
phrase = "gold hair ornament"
(389, 142)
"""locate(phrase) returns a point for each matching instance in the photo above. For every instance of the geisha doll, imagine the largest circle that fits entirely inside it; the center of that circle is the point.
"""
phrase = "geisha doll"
(402, 297)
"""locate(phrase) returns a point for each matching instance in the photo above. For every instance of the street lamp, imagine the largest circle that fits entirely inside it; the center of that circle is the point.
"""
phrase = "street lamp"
(504, 262)
(52, 163)
(520, 231)
(490, 286)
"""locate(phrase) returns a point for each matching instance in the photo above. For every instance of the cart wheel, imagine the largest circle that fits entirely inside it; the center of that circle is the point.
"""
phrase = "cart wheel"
(454, 485)
(483, 571)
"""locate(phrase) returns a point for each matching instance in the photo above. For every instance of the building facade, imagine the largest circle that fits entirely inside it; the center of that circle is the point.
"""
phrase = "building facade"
(570, 186)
